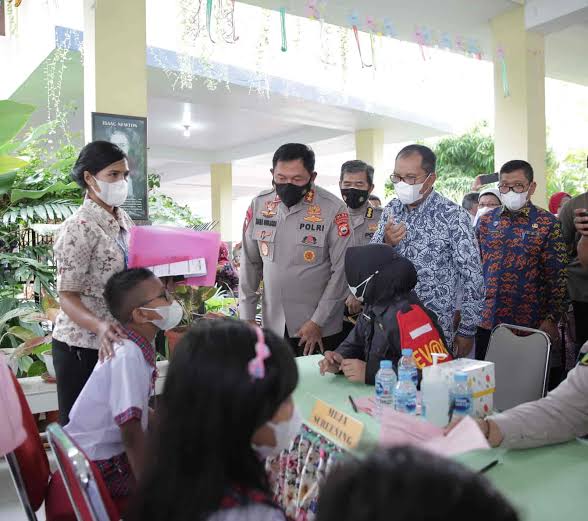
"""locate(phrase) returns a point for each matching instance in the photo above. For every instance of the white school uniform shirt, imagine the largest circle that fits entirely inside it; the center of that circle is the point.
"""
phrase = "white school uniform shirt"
(117, 391)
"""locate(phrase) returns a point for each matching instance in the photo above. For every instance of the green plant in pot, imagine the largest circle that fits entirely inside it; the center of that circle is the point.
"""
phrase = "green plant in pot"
(192, 300)
(23, 338)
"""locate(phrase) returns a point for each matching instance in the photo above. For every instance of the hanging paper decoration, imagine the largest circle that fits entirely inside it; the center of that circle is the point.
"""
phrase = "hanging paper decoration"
(283, 28)
(502, 59)
(474, 48)
(420, 39)
(459, 43)
(228, 16)
(373, 48)
(315, 9)
(389, 29)
(371, 24)
(356, 33)
(209, 18)
(446, 42)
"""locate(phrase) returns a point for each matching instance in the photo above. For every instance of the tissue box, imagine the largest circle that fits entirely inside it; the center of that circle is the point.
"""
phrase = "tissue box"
(481, 380)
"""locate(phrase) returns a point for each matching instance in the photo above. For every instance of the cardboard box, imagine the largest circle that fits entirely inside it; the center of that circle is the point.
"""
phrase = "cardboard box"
(481, 379)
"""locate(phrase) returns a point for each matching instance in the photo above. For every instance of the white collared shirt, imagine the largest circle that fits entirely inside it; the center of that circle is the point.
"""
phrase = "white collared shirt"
(117, 391)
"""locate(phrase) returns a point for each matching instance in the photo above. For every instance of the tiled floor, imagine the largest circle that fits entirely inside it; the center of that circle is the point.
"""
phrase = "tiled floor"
(10, 508)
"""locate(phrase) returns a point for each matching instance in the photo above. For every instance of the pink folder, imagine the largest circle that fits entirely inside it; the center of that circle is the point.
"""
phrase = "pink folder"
(154, 245)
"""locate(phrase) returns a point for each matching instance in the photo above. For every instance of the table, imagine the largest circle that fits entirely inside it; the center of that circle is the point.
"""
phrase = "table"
(545, 484)
(42, 396)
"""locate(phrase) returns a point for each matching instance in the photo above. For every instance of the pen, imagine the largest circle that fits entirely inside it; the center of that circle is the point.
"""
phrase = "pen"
(353, 404)
(490, 465)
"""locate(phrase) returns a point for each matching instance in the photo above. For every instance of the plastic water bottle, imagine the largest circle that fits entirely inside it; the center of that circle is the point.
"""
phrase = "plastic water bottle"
(405, 393)
(435, 394)
(385, 382)
(408, 363)
(461, 396)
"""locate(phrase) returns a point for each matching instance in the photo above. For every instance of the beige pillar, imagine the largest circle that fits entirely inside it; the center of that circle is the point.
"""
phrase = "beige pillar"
(115, 69)
(369, 147)
(520, 117)
(221, 180)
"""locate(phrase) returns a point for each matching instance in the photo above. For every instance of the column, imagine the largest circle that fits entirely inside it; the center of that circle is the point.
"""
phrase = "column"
(115, 69)
(519, 127)
(221, 193)
(369, 147)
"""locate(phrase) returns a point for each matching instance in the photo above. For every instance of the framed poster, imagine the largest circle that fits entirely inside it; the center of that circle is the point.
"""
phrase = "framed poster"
(130, 134)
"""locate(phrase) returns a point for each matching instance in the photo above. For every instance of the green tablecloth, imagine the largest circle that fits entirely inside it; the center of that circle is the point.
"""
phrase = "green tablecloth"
(546, 484)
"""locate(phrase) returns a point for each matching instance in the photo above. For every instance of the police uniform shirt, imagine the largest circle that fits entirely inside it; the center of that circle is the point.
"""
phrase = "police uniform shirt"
(364, 221)
(299, 254)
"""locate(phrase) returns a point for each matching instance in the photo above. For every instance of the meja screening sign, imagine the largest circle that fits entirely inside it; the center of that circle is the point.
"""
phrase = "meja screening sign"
(338, 426)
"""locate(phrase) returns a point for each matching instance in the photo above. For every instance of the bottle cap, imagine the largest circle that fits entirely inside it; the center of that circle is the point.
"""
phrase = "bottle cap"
(407, 352)
(386, 364)
(460, 377)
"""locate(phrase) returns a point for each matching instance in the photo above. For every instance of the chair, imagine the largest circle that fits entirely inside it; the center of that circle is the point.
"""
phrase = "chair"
(28, 463)
(521, 364)
(85, 487)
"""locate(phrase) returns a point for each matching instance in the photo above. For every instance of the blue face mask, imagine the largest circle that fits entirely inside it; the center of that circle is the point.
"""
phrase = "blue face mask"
(354, 289)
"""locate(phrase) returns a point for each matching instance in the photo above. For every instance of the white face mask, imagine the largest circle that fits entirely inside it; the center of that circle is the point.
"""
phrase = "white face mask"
(514, 201)
(284, 432)
(409, 194)
(113, 194)
(481, 211)
(170, 315)
(354, 289)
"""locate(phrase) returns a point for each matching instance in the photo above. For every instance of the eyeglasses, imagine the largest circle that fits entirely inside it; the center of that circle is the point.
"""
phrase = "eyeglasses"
(517, 188)
(165, 295)
(409, 179)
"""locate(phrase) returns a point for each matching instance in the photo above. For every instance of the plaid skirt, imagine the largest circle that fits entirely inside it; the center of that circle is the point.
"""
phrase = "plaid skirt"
(117, 475)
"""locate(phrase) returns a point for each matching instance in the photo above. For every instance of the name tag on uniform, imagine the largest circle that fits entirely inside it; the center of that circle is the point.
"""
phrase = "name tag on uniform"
(337, 425)
(266, 222)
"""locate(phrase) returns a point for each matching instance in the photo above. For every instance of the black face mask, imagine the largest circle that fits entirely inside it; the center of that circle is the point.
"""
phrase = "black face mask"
(354, 198)
(291, 194)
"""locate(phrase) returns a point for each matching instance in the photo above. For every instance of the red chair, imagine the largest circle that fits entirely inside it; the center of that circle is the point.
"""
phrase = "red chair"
(85, 487)
(28, 463)
(30, 470)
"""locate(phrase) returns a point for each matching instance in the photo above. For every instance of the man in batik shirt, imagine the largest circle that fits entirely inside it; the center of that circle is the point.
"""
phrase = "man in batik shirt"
(437, 236)
(524, 259)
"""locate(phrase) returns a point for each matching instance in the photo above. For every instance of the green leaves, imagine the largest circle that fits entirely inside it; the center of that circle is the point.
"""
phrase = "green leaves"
(51, 211)
(9, 164)
(13, 117)
(18, 194)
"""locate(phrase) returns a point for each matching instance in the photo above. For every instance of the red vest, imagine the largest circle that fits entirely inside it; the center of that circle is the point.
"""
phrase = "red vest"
(419, 333)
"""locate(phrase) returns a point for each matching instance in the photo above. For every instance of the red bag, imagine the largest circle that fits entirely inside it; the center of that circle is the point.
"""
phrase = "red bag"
(419, 333)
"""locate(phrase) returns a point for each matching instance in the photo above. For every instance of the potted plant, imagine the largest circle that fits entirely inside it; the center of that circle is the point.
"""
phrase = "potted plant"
(192, 301)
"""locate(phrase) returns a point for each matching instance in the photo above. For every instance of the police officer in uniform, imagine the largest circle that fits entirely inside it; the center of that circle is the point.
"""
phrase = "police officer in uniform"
(357, 183)
(294, 239)
(560, 416)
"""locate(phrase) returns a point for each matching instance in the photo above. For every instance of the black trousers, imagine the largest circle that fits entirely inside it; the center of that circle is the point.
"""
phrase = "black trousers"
(581, 318)
(482, 341)
(73, 367)
(330, 343)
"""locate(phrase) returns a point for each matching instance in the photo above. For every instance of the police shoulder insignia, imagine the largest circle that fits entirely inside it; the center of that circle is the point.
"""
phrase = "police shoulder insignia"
(369, 213)
(342, 222)
(309, 197)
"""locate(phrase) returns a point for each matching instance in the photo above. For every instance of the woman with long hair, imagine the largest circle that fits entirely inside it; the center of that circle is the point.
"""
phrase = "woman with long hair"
(226, 406)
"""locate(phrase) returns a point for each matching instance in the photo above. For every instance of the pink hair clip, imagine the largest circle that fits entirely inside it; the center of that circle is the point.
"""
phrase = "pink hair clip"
(256, 365)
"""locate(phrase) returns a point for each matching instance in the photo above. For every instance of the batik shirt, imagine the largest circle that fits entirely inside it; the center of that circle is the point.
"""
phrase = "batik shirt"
(441, 244)
(524, 259)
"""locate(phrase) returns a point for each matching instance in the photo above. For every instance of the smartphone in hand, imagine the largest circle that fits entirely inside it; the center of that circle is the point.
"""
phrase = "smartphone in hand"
(487, 179)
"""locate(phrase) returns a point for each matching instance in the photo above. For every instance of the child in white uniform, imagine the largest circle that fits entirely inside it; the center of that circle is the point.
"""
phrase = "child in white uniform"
(110, 417)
